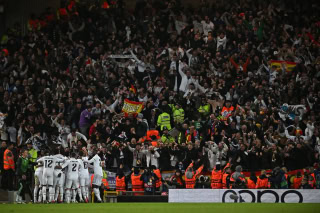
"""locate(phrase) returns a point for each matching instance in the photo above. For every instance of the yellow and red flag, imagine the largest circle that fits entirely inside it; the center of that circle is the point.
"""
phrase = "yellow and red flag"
(288, 64)
(133, 89)
(132, 107)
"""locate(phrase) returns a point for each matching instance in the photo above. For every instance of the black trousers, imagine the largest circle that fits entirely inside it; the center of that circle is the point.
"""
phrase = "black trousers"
(24, 187)
(8, 179)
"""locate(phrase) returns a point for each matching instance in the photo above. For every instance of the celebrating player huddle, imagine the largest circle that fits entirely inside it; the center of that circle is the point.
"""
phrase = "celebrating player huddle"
(60, 179)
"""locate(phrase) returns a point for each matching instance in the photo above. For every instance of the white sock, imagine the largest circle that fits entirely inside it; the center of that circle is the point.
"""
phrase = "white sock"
(40, 195)
(51, 193)
(79, 193)
(56, 195)
(74, 194)
(87, 191)
(35, 193)
(61, 193)
(18, 199)
(97, 193)
(83, 191)
(44, 193)
(68, 195)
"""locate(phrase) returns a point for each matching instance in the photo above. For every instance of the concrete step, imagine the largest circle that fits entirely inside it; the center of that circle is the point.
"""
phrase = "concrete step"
(3, 195)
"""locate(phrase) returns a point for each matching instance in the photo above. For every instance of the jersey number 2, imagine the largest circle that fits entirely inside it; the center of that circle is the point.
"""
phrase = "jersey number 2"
(74, 167)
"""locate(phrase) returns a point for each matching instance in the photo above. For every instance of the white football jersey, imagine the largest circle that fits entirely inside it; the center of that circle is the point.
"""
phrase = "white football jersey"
(83, 172)
(97, 169)
(73, 167)
(49, 163)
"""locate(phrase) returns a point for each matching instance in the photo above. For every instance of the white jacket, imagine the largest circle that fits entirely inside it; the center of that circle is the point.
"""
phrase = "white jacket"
(152, 159)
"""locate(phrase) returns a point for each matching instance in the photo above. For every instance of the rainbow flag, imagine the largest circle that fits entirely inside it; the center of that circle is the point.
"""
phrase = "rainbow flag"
(289, 65)
(132, 107)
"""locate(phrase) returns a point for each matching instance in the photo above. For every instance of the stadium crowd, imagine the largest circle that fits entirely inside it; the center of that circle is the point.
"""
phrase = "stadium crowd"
(226, 87)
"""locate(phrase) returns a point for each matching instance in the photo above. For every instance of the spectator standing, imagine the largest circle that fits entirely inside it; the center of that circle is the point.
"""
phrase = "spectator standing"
(84, 122)
(8, 168)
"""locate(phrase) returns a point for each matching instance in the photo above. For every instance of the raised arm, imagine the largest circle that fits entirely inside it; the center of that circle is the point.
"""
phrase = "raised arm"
(81, 136)
(199, 170)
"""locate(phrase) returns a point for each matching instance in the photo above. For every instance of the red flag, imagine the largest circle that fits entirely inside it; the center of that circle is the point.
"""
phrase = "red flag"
(5, 51)
(88, 61)
(63, 12)
(105, 5)
(71, 4)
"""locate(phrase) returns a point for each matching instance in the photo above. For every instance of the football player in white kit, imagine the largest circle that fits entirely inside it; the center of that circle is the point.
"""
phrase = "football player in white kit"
(84, 175)
(97, 169)
(72, 165)
(59, 177)
(38, 183)
(49, 164)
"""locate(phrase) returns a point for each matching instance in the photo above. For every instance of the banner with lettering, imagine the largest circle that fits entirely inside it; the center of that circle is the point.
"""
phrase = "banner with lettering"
(132, 107)
(244, 196)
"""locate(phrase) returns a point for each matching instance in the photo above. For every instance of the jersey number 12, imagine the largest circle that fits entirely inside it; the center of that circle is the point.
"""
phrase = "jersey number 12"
(48, 163)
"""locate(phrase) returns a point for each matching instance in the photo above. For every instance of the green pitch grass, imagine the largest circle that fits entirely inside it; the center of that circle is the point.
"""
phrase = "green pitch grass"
(160, 208)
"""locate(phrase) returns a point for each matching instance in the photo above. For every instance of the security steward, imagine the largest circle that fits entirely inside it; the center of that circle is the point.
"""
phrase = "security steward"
(205, 108)
(137, 184)
(191, 176)
(8, 168)
(216, 177)
(178, 114)
(164, 121)
(120, 181)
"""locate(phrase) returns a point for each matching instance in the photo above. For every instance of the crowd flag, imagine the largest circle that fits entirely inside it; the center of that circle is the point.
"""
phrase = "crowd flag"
(289, 65)
(132, 107)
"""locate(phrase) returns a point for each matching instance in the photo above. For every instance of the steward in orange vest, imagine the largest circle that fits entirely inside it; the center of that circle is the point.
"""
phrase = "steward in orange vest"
(121, 183)
(8, 160)
(137, 184)
(312, 181)
(226, 177)
(158, 174)
(216, 177)
(8, 168)
(297, 181)
(263, 181)
(190, 176)
(238, 177)
(120, 180)
(252, 181)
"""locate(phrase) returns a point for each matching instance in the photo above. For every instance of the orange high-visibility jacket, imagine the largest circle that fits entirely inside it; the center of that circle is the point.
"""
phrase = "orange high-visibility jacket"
(8, 160)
